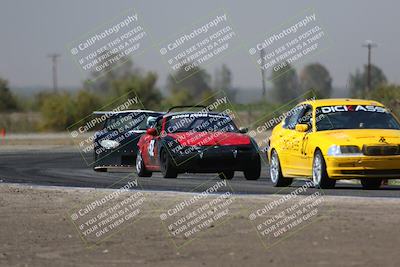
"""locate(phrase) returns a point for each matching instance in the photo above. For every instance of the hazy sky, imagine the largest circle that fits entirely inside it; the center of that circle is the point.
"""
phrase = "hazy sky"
(29, 30)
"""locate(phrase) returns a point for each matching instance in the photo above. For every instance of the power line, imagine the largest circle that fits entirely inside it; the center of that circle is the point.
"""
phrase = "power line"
(262, 55)
(54, 68)
(369, 45)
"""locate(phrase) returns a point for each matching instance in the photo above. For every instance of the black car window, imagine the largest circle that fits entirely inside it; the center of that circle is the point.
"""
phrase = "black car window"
(293, 117)
(158, 125)
(286, 121)
(306, 116)
(127, 121)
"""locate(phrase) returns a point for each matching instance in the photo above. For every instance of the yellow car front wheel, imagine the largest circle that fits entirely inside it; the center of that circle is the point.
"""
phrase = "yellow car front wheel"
(319, 174)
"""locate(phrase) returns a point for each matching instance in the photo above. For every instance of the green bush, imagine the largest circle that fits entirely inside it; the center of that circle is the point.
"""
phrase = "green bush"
(8, 101)
(389, 95)
(61, 110)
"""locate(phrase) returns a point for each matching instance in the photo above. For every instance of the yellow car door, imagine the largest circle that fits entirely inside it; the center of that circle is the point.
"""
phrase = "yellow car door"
(288, 141)
(298, 156)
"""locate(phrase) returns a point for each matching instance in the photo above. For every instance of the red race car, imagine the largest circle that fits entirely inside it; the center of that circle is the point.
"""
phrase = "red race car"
(197, 142)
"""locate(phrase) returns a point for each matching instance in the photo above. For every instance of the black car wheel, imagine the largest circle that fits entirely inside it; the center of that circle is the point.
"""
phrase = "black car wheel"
(226, 175)
(168, 169)
(254, 171)
(97, 169)
(371, 183)
(141, 168)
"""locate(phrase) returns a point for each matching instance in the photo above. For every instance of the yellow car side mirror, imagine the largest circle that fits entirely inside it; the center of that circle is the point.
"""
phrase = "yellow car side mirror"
(302, 128)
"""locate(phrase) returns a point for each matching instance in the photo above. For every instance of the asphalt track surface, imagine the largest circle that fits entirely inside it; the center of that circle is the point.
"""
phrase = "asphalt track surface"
(67, 168)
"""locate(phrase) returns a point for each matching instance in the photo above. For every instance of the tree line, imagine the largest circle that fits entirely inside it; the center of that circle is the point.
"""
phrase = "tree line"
(61, 109)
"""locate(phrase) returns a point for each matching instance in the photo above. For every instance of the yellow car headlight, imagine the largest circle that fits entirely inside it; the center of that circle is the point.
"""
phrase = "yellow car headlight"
(336, 150)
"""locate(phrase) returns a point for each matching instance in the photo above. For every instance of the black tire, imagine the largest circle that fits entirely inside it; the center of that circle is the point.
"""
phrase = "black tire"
(226, 175)
(95, 168)
(371, 183)
(320, 176)
(277, 178)
(141, 168)
(100, 169)
(168, 169)
(254, 172)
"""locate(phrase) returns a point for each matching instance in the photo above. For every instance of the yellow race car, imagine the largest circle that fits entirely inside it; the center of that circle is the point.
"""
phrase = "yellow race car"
(331, 139)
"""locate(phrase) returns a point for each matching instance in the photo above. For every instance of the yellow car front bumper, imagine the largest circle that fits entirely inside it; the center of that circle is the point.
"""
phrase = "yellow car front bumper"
(342, 167)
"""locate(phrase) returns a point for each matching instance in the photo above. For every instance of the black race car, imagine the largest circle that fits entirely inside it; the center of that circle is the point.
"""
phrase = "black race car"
(197, 142)
(115, 145)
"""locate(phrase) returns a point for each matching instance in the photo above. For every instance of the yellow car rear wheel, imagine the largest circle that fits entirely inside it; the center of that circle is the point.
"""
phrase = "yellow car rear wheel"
(275, 170)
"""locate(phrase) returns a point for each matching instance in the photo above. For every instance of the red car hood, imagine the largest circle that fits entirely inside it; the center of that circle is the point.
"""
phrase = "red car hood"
(210, 138)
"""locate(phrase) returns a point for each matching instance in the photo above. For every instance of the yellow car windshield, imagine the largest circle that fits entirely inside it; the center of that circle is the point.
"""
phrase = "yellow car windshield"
(355, 117)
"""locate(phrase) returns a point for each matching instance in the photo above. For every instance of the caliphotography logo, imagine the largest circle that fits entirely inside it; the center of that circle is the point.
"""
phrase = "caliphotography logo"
(296, 40)
(201, 130)
(206, 41)
(111, 129)
(110, 212)
(110, 45)
(261, 129)
(288, 213)
(188, 219)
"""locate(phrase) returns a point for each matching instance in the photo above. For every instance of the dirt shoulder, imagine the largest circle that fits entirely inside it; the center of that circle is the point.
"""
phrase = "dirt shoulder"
(37, 230)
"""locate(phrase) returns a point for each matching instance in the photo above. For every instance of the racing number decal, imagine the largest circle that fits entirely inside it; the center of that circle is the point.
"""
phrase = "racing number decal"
(304, 146)
(151, 148)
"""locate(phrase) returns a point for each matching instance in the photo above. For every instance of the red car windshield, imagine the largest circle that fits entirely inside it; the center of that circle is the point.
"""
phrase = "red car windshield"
(199, 122)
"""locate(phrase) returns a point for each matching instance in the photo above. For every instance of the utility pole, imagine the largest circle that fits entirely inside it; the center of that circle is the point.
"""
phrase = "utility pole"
(262, 55)
(369, 45)
(54, 67)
